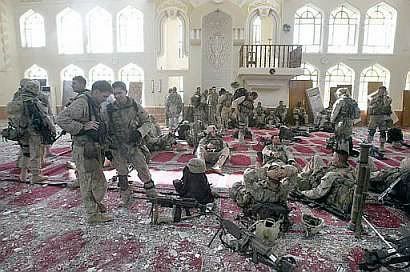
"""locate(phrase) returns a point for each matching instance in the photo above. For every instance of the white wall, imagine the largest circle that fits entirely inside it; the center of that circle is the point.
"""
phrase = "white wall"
(48, 57)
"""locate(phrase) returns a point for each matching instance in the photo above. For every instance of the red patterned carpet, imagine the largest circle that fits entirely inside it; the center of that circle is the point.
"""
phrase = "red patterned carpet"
(42, 227)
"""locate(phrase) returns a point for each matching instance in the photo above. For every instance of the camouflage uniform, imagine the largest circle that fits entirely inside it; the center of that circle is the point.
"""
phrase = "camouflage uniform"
(225, 102)
(244, 109)
(128, 124)
(87, 153)
(173, 107)
(213, 107)
(31, 140)
(272, 120)
(196, 104)
(379, 109)
(344, 111)
(155, 140)
(282, 112)
(259, 116)
(277, 153)
(299, 115)
(212, 149)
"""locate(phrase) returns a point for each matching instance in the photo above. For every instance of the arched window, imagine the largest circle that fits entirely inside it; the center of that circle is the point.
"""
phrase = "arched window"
(343, 30)
(131, 73)
(99, 29)
(101, 72)
(130, 32)
(408, 82)
(32, 30)
(69, 32)
(36, 72)
(308, 28)
(310, 72)
(374, 73)
(379, 29)
(71, 71)
(256, 30)
(339, 74)
(173, 41)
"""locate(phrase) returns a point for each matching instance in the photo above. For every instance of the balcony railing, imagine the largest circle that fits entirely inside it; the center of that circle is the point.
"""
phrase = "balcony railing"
(270, 56)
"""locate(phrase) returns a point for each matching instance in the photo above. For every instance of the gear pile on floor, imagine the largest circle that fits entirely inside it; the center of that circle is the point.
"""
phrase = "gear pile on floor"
(43, 228)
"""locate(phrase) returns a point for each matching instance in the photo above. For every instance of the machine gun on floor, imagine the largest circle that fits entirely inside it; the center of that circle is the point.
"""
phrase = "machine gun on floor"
(177, 204)
(250, 245)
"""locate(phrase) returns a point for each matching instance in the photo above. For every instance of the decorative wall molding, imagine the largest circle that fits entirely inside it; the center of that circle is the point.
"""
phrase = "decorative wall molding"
(172, 6)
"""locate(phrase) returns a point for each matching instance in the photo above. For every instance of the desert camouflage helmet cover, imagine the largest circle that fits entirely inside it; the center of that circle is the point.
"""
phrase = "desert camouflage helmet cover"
(196, 166)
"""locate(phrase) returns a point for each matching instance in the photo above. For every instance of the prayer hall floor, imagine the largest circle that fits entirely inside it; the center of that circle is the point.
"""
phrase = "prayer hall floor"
(42, 228)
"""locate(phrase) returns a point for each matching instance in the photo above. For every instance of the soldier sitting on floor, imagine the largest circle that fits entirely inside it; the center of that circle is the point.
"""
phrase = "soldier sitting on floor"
(264, 192)
(213, 150)
(272, 119)
(299, 115)
(194, 183)
(277, 152)
(155, 140)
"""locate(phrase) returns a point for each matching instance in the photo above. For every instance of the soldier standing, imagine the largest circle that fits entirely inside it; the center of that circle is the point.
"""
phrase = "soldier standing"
(82, 119)
(24, 111)
(173, 107)
(345, 111)
(212, 149)
(196, 104)
(128, 124)
(282, 112)
(380, 115)
(244, 109)
(213, 106)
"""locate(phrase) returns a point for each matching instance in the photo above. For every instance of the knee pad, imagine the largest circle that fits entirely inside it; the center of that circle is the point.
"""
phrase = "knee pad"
(382, 136)
(372, 131)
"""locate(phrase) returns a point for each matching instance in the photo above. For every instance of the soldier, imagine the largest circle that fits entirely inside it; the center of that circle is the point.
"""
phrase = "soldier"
(282, 112)
(196, 104)
(276, 152)
(173, 107)
(259, 116)
(299, 115)
(272, 119)
(194, 183)
(244, 108)
(225, 104)
(204, 106)
(345, 111)
(213, 150)
(128, 124)
(83, 120)
(155, 140)
(213, 106)
(379, 115)
(24, 111)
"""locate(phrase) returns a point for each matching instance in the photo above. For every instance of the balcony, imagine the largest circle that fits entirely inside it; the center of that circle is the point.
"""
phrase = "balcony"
(270, 56)
(267, 69)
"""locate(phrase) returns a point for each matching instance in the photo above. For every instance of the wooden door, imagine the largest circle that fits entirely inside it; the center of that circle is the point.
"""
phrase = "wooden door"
(297, 92)
(406, 109)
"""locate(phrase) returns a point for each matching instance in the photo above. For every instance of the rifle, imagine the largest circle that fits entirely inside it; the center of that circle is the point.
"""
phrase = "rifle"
(176, 203)
(310, 202)
(381, 197)
(249, 244)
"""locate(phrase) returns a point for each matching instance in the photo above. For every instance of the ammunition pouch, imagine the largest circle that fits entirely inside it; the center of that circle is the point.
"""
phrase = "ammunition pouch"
(91, 151)
(99, 135)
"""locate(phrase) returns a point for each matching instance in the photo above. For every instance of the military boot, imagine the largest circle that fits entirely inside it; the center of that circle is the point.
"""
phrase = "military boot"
(38, 178)
(125, 192)
(98, 218)
(23, 175)
(150, 190)
(101, 207)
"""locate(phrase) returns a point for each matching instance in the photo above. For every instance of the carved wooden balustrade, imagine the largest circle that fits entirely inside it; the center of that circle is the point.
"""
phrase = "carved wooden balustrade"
(270, 56)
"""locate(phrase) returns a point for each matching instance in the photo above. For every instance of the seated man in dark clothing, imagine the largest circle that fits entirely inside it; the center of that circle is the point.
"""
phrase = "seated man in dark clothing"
(194, 183)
